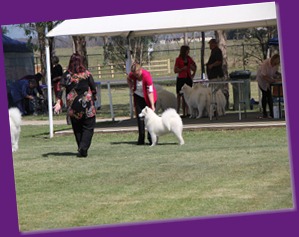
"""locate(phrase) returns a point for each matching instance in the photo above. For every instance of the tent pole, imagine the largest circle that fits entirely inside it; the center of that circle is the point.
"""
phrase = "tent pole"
(49, 86)
(202, 55)
(128, 70)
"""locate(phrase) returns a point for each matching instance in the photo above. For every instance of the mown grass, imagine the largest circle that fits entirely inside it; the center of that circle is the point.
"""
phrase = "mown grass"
(215, 172)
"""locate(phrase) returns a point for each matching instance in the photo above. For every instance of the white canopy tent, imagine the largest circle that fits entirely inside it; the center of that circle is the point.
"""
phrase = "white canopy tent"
(179, 21)
(165, 22)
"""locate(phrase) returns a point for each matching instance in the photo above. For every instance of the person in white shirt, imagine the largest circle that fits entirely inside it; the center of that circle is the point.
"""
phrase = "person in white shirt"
(266, 74)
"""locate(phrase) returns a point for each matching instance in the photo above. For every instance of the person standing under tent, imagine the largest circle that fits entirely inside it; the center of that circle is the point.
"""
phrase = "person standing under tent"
(214, 64)
(56, 74)
(266, 75)
(185, 67)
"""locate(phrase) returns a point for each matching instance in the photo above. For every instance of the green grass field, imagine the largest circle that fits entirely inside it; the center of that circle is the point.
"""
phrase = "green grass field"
(214, 173)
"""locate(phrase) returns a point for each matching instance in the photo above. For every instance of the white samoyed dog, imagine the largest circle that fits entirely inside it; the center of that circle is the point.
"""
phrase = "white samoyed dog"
(198, 99)
(169, 121)
(166, 99)
(15, 119)
(221, 102)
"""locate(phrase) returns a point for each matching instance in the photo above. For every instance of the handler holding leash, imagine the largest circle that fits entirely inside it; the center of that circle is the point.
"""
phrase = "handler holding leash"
(145, 94)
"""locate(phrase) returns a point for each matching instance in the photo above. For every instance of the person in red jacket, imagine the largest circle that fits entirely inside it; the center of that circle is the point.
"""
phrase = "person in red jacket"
(145, 94)
(185, 67)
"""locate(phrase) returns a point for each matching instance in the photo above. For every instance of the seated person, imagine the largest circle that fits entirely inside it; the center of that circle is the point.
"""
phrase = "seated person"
(22, 91)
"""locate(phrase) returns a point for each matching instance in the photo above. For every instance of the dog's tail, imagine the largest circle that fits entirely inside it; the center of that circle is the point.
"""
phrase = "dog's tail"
(15, 115)
(168, 116)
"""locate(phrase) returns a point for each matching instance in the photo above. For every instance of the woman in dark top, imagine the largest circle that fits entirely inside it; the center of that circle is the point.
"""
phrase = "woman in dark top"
(80, 96)
(56, 74)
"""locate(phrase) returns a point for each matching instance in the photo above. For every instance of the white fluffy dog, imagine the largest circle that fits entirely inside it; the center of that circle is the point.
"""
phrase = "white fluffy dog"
(221, 102)
(15, 119)
(157, 126)
(198, 99)
(165, 100)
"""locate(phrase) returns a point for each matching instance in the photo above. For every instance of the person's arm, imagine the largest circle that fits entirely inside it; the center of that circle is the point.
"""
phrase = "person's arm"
(25, 95)
(193, 68)
(57, 106)
(56, 79)
(147, 79)
(93, 87)
(215, 64)
(130, 82)
(218, 59)
(151, 99)
(268, 79)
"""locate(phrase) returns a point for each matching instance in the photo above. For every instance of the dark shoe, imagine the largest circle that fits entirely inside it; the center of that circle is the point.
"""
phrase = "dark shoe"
(82, 153)
(140, 143)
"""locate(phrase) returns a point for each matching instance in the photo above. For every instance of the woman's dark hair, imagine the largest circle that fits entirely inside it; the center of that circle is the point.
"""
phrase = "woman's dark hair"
(183, 51)
(76, 64)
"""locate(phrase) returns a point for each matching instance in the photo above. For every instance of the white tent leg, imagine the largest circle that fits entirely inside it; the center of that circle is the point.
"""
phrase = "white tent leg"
(110, 100)
(49, 87)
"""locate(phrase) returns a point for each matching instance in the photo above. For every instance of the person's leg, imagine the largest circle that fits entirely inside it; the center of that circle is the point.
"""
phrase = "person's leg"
(184, 107)
(178, 95)
(264, 102)
(56, 89)
(139, 105)
(77, 130)
(189, 82)
(88, 125)
(270, 102)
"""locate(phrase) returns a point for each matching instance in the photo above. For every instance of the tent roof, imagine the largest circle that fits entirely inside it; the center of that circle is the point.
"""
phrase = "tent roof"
(178, 21)
(11, 45)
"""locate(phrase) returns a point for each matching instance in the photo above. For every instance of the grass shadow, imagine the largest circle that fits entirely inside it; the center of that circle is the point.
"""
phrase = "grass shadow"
(61, 154)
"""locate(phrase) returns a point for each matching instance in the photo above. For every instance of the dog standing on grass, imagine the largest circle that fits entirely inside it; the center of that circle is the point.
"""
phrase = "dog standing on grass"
(170, 121)
(15, 120)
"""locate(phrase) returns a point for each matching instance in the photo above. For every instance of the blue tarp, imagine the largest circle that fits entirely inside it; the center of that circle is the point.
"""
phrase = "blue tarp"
(273, 41)
(11, 45)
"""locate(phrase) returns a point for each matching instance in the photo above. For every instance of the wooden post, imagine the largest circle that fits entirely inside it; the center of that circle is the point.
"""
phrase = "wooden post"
(99, 71)
(110, 100)
(112, 71)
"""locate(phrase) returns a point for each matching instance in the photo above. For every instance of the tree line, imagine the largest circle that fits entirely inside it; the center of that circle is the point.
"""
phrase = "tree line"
(114, 48)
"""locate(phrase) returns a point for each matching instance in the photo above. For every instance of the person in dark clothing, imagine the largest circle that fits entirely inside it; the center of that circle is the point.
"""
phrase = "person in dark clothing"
(39, 102)
(214, 65)
(81, 93)
(56, 74)
(21, 91)
(37, 77)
